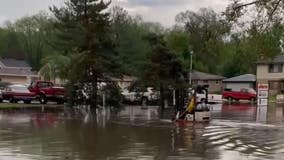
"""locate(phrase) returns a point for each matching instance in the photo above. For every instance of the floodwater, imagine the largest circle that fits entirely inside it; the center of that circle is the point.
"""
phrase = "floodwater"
(236, 132)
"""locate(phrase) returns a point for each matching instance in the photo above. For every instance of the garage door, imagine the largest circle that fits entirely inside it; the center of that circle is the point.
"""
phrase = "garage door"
(237, 86)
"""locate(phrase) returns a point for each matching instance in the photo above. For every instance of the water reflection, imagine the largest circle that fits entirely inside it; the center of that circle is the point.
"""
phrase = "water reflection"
(245, 112)
(261, 115)
(236, 132)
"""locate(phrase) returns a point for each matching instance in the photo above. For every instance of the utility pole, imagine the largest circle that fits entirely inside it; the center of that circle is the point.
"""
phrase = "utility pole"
(190, 70)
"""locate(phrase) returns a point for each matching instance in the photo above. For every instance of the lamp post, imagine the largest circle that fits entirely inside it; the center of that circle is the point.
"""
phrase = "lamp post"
(190, 70)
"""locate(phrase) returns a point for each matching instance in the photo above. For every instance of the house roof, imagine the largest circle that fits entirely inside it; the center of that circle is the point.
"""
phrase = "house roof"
(9, 62)
(242, 78)
(278, 59)
(17, 72)
(196, 75)
(125, 79)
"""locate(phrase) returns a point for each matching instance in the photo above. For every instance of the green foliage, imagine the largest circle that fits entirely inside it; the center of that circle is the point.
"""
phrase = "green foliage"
(113, 95)
(60, 66)
(207, 31)
(83, 27)
(11, 45)
(130, 43)
(178, 42)
(34, 34)
(246, 49)
(163, 68)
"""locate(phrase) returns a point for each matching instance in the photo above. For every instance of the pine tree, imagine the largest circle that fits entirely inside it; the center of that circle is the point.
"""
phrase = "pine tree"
(164, 69)
(83, 27)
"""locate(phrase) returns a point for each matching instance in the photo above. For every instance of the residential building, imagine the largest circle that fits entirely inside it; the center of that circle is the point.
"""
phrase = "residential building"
(16, 71)
(239, 82)
(270, 71)
(125, 82)
(202, 78)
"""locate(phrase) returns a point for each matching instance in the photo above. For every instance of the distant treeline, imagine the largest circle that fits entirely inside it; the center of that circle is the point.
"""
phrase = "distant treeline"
(87, 40)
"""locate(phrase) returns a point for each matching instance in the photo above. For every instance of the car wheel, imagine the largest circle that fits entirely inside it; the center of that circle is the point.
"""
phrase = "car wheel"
(252, 100)
(42, 99)
(12, 100)
(60, 101)
(230, 99)
(27, 102)
(144, 101)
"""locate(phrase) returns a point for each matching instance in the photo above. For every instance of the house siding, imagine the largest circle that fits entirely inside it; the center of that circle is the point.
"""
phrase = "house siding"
(237, 86)
(275, 80)
(264, 76)
(18, 79)
(14, 79)
(215, 86)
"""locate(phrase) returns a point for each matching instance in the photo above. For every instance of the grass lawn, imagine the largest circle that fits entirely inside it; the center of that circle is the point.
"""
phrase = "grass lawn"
(272, 98)
(22, 105)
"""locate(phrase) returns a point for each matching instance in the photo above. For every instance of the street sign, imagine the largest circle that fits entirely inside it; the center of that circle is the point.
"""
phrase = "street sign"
(262, 94)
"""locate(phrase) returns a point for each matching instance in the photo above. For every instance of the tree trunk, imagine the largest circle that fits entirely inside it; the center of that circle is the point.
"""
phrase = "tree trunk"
(94, 97)
(162, 99)
(177, 97)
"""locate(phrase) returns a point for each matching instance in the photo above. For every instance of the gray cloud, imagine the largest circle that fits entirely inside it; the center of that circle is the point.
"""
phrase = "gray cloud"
(14, 9)
(156, 3)
(162, 11)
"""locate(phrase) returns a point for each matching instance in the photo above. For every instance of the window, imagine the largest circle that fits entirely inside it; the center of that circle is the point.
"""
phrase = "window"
(273, 85)
(217, 82)
(275, 68)
(45, 84)
(19, 88)
(244, 90)
(205, 81)
(34, 84)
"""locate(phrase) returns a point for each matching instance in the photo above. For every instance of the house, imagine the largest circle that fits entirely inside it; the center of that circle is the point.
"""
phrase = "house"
(238, 82)
(125, 82)
(270, 71)
(16, 71)
(214, 81)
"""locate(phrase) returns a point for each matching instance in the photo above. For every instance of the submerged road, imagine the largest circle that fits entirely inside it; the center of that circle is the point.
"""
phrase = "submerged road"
(240, 131)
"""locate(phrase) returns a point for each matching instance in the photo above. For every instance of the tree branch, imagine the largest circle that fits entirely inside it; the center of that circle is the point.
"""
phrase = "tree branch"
(248, 4)
(274, 9)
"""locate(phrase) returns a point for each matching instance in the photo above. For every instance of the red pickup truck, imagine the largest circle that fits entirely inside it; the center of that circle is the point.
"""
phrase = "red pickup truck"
(243, 94)
(46, 91)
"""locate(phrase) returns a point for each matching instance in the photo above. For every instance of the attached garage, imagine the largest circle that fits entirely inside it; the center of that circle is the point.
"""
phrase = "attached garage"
(242, 81)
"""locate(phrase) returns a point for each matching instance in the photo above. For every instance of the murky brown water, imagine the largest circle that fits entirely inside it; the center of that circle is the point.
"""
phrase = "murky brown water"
(236, 132)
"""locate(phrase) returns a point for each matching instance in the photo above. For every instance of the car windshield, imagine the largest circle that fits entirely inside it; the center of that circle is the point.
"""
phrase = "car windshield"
(45, 84)
(251, 91)
(19, 88)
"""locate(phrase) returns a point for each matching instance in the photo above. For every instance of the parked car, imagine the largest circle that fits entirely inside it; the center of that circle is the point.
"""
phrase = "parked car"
(17, 92)
(3, 85)
(46, 91)
(243, 94)
(212, 98)
(141, 97)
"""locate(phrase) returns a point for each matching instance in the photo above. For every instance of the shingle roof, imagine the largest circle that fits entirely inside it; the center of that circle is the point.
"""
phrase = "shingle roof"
(278, 59)
(196, 75)
(9, 62)
(242, 78)
(125, 78)
(17, 72)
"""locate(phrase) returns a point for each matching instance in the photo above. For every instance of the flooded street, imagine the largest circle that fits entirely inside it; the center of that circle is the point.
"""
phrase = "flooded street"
(236, 132)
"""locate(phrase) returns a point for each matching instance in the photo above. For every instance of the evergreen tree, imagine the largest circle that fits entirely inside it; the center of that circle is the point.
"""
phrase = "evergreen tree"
(164, 69)
(84, 28)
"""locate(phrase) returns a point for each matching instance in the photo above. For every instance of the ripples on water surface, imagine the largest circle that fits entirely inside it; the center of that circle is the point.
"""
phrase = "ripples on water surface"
(236, 132)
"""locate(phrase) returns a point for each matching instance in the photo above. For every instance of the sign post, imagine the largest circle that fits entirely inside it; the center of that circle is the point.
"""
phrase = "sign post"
(262, 94)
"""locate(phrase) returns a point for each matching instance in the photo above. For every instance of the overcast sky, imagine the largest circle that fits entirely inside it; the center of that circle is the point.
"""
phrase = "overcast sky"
(162, 11)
